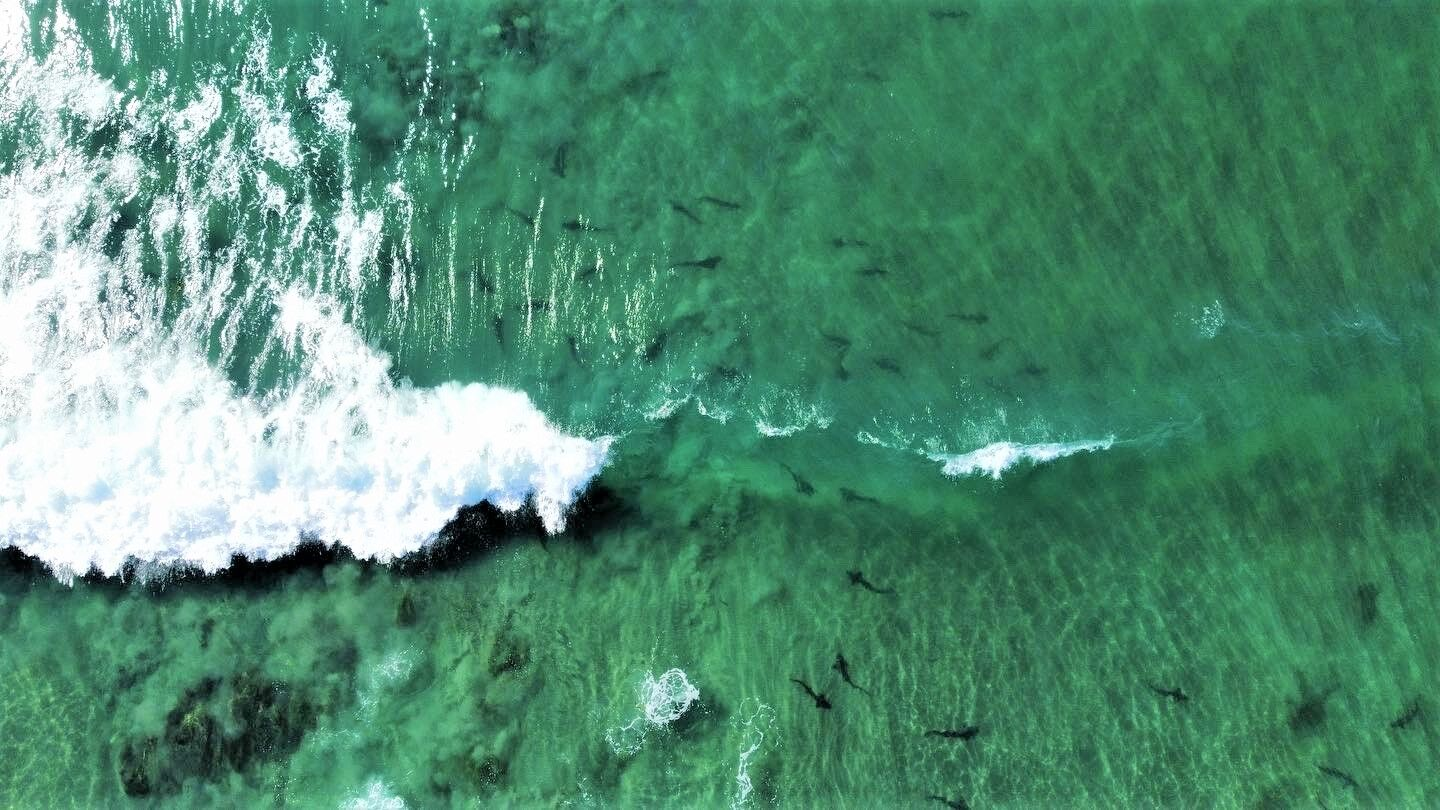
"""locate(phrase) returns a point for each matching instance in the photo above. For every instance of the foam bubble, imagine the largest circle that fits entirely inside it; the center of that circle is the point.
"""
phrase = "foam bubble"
(995, 458)
(377, 796)
(1210, 319)
(668, 697)
(662, 701)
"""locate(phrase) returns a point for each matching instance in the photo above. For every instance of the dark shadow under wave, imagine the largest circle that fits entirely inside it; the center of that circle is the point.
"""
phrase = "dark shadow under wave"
(475, 532)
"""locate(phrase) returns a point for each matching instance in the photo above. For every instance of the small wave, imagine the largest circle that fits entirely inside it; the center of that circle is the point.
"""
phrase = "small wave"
(1361, 324)
(784, 413)
(671, 404)
(665, 409)
(995, 458)
(900, 442)
(780, 431)
(719, 414)
(777, 414)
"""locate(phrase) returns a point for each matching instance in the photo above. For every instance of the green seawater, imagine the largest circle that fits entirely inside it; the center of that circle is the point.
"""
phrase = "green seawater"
(1200, 239)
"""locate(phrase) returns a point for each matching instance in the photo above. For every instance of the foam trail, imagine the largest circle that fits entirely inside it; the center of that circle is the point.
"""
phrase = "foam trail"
(122, 437)
(754, 721)
(994, 459)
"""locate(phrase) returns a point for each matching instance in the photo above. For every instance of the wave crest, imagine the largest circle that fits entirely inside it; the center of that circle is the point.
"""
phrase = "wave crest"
(995, 458)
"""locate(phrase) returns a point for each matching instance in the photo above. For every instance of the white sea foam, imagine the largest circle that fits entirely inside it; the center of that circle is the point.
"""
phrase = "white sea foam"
(994, 459)
(754, 721)
(1210, 319)
(662, 701)
(665, 408)
(784, 413)
(783, 430)
(666, 698)
(331, 107)
(121, 439)
(866, 437)
(142, 450)
(377, 796)
(719, 414)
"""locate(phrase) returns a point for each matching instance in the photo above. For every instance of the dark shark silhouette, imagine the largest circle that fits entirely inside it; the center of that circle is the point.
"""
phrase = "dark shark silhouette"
(821, 702)
(858, 578)
(685, 212)
(1408, 716)
(1345, 779)
(719, 203)
(707, 263)
(1176, 694)
(843, 667)
(966, 733)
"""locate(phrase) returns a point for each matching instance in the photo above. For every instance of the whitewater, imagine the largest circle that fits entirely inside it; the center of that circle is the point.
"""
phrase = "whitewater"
(123, 439)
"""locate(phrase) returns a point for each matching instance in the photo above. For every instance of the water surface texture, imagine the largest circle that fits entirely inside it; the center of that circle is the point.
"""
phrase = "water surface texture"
(448, 403)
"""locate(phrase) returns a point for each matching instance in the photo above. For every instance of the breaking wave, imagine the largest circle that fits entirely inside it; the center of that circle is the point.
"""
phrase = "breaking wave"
(125, 319)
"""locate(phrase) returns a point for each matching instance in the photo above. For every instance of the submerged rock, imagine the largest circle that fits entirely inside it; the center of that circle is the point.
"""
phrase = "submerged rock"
(509, 653)
(482, 769)
(265, 719)
(271, 718)
(1367, 598)
(405, 613)
(137, 763)
(519, 33)
(192, 743)
(1309, 714)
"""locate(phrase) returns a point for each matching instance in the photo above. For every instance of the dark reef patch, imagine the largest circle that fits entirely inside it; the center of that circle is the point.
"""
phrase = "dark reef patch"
(1309, 713)
(509, 652)
(1367, 600)
(217, 727)
(405, 612)
(521, 34)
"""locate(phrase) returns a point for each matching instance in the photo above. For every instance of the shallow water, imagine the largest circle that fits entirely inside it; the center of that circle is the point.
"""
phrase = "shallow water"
(1096, 337)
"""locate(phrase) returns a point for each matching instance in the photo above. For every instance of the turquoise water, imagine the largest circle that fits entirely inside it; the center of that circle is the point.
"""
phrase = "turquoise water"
(1094, 336)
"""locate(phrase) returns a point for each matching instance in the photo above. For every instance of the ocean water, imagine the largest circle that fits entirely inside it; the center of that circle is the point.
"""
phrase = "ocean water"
(448, 403)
